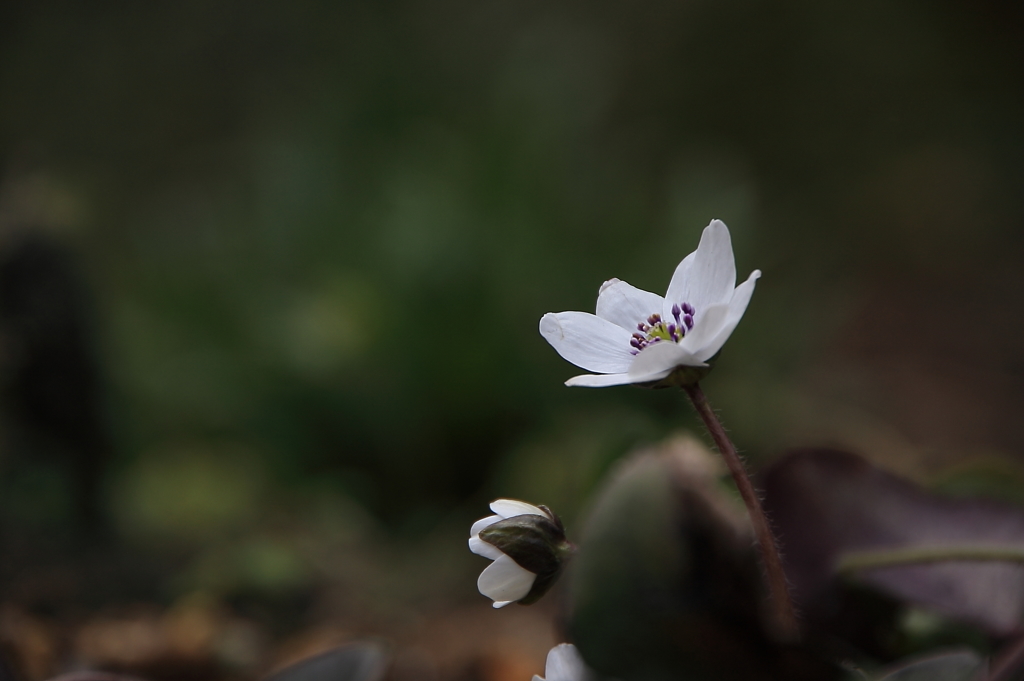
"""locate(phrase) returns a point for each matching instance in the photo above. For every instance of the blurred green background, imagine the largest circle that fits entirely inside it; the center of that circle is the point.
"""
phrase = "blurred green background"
(310, 243)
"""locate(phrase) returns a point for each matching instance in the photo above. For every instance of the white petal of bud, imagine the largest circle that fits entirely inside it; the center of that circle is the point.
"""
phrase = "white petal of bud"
(504, 580)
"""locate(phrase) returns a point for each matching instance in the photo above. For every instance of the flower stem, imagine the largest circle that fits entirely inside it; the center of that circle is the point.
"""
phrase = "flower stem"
(785, 615)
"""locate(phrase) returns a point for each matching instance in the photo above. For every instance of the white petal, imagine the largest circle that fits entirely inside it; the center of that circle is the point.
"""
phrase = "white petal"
(737, 306)
(564, 663)
(708, 324)
(626, 305)
(599, 380)
(657, 361)
(501, 604)
(479, 525)
(588, 341)
(707, 276)
(536, 678)
(505, 580)
(678, 286)
(510, 508)
(482, 548)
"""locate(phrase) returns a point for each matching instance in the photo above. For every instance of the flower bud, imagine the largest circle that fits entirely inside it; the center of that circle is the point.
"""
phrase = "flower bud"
(528, 546)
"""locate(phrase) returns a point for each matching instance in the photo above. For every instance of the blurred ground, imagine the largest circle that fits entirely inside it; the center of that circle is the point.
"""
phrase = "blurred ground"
(197, 640)
(402, 596)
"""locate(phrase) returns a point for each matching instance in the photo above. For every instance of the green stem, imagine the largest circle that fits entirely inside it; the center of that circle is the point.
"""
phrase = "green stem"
(778, 588)
(879, 558)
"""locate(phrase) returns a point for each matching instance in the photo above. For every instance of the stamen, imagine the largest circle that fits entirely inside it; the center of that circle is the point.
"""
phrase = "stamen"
(654, 330)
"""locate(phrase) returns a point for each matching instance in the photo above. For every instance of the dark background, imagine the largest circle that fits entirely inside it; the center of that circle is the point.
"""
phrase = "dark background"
(271, 272)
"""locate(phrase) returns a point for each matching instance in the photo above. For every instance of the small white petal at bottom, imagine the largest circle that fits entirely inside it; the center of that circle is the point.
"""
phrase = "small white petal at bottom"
(564, 663)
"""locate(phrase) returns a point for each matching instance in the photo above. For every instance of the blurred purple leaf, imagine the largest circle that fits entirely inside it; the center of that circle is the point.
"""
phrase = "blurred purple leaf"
(826, 504)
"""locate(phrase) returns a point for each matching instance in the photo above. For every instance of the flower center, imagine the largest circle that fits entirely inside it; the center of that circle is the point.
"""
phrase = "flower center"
(656, 329)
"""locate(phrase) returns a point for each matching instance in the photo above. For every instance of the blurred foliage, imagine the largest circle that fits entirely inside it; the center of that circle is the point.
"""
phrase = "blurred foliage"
(315, 239)
(666, 585)
(327, 232)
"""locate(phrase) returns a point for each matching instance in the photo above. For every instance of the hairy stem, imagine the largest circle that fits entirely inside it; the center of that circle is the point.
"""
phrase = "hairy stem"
(778, 588)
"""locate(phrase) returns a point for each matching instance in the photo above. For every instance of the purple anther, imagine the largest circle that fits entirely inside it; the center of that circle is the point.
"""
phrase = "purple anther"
(688, 309)
(654, 319)
(688, 320)
(642, 328)
(672, 331)
(635, 343)
(634, 352)
(675, 312)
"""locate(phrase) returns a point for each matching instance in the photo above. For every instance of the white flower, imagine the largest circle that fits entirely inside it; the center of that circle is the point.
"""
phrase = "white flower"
(503, 581)
(564, 664)
(640, 337)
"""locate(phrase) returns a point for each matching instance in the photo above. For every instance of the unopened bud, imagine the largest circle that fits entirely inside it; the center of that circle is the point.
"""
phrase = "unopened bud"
(529, 549)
